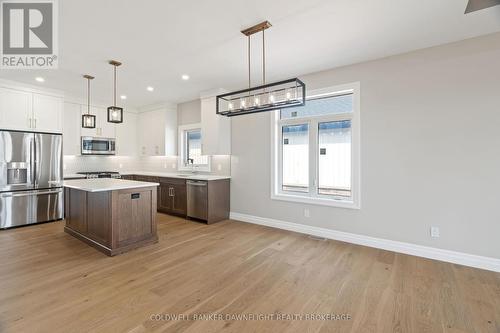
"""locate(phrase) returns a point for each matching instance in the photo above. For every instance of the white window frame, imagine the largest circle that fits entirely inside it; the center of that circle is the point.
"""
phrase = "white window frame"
(182, 150)
(313, 197)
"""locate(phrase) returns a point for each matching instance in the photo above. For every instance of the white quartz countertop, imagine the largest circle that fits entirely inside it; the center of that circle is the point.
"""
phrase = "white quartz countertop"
(175, 175)
(105, 184)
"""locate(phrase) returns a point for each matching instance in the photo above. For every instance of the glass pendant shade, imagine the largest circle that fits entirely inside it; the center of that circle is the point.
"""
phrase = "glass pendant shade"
(88, 121)
(273, 96)
(115, 114)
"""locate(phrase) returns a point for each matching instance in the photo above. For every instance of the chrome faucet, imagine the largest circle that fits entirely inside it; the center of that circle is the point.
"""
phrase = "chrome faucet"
(191, 161)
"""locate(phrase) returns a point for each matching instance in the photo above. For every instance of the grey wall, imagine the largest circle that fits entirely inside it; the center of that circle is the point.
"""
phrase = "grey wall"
(430, 150)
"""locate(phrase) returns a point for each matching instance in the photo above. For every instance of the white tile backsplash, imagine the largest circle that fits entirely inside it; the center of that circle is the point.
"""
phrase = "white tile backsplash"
(221, 164)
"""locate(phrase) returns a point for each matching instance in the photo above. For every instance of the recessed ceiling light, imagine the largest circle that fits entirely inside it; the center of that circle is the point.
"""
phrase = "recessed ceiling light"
(40, 79)
(185, 77)
(150, 88)
(123, 96)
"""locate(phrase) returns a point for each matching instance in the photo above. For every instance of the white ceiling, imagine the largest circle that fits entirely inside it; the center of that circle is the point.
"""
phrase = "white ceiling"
(160, 40)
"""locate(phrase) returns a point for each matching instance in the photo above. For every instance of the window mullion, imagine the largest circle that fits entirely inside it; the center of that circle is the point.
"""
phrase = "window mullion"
(313, 148)
(280, 157)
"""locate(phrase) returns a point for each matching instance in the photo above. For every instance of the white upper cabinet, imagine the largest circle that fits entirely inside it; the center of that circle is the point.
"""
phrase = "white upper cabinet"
(126, 135)
(215, 129)
(158, 132)
(107, 129)
(72, 122)
(28, 111)
(15, 109)
(47, 113)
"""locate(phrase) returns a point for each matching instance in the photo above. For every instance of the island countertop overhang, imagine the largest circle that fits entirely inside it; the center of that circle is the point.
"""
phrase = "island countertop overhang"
(105, 184)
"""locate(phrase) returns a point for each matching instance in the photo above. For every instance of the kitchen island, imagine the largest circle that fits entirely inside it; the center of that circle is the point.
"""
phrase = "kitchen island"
(112, 215)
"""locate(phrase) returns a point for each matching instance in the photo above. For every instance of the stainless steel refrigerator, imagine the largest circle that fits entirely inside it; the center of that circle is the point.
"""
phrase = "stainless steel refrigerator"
(31, 178)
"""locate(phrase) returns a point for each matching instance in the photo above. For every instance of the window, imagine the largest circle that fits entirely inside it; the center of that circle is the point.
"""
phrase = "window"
(315, 156)
(190, 149)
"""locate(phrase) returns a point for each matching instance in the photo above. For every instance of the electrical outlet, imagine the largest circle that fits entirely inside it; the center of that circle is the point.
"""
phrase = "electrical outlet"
(435, 232)
(307, 213)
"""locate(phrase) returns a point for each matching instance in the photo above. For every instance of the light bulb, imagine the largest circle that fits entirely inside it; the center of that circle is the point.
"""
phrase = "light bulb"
(242, 103)
(288, 95)
(271, 98)
(231, 106)
(256, 101)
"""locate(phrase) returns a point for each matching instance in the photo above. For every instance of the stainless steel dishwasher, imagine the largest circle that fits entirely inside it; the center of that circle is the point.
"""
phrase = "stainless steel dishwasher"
(197, 199)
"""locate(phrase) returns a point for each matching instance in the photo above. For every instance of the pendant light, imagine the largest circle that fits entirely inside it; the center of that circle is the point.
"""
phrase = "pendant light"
(115, 113)
(266, 97)
(88, 120)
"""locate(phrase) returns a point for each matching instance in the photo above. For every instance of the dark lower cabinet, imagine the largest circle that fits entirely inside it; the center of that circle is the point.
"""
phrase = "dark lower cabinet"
(150, 179)
(173, 199)
(164, 198)
(172, 196)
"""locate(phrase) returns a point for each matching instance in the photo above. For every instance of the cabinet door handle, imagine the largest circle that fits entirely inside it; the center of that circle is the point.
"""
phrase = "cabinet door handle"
(35, 122)
(30, 123)
(173, 192)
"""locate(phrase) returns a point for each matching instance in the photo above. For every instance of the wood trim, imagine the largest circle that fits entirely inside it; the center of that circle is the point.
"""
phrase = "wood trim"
(106, 250)
(88, 240)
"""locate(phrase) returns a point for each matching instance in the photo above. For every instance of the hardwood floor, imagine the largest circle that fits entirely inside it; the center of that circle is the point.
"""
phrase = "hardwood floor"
(52, 282)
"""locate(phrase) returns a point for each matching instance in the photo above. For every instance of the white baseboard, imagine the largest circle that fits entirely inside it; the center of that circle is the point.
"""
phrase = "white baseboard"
(460, 258)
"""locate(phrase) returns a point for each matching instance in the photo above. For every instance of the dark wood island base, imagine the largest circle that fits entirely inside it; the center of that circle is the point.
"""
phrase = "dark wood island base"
(114, 221)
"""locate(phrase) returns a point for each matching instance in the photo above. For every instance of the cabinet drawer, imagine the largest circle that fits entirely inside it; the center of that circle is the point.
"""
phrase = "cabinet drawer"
(175, 181)
(146, 179)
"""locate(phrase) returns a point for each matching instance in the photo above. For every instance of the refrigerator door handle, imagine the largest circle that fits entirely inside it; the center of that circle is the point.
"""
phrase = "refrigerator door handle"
(35, 163)
(32, 158)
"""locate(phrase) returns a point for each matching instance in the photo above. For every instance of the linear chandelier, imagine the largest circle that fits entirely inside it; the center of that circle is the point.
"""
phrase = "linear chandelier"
(266, 97)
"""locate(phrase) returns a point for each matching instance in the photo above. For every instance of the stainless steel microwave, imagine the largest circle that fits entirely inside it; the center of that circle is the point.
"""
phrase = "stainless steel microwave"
(97, 146)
